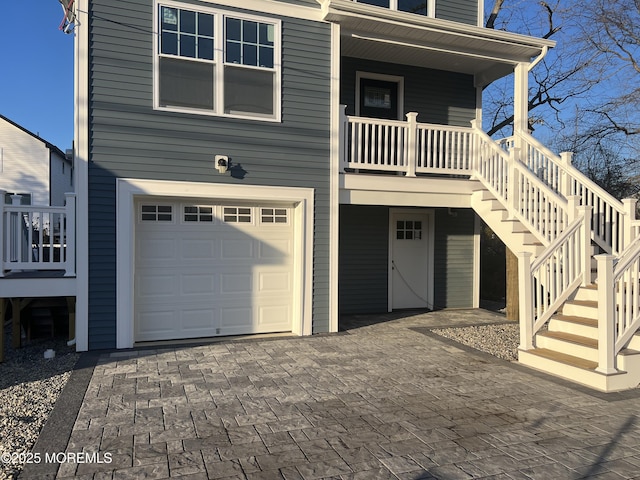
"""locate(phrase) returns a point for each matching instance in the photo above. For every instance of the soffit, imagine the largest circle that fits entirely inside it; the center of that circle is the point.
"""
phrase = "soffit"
(381, 34)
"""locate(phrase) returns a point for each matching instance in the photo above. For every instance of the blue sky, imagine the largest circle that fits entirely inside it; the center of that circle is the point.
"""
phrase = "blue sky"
(36, 78)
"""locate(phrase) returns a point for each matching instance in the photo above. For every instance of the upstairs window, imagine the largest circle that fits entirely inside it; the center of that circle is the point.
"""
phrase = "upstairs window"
(420, 7)
(218, 63)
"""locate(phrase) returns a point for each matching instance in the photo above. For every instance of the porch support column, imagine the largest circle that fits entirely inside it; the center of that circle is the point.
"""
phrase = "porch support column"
(521, 99)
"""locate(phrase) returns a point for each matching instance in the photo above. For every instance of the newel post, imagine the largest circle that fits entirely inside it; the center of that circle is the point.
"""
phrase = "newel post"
(412, 143)
(629, 205)
(526, 301)
(565, 186)
(70, 258)
(585, 243)
(342, 139)
(3, 193)
(606, 315)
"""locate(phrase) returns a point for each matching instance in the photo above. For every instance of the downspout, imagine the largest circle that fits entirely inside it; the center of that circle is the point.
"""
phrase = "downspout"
(521, 93)
(539, 58)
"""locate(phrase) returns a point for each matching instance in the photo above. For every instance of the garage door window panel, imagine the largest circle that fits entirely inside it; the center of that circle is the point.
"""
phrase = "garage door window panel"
(156, 213)
(276, 216)
(198, 213)
(237, 215)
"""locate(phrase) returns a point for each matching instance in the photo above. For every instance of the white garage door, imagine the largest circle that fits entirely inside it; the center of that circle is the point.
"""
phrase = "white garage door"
(204, 270)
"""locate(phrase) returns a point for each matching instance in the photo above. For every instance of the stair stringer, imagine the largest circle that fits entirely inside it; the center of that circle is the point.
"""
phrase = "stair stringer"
(513, 233)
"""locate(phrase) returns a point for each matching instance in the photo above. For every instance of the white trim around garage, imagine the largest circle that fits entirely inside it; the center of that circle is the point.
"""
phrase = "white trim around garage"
(128, 190)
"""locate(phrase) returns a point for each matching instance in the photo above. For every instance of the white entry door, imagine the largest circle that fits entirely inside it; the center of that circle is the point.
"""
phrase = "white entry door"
(411, 253)
(204, 270)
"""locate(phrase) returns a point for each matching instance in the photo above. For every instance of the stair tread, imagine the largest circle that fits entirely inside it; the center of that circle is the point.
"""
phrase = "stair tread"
(591, 322)
(564, 358)
(584, 303)
(571, 337)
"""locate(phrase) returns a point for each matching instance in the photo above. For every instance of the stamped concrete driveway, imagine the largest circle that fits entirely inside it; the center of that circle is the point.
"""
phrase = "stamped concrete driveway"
(384, 400)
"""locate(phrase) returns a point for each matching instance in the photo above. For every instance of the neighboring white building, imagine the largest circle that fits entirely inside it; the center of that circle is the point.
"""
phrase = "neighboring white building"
(30, 165)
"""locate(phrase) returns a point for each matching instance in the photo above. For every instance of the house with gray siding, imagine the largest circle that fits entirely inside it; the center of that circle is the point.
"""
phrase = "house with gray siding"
(270, 165)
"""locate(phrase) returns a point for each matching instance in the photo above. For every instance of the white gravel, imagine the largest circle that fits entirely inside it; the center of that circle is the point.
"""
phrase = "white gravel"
(500, 340)
(29, 388)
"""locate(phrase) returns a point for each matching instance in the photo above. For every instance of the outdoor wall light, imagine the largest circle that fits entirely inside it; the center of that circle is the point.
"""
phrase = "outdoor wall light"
(221, 163)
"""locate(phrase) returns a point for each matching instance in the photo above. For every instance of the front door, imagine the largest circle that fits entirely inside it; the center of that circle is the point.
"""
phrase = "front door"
(411, 252)
(378, 99)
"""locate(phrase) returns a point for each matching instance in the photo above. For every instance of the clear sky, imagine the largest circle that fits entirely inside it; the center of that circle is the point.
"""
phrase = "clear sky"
(36, 76)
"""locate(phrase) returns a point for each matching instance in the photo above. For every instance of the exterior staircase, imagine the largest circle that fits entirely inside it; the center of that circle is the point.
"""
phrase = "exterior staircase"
(556, 221)
(569, 347)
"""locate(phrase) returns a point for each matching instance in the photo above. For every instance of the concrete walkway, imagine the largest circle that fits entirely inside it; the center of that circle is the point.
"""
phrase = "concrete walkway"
(386, 399)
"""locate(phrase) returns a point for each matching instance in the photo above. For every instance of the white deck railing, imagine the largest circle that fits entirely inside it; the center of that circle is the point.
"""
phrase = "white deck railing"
(405, 147)
(34, 237)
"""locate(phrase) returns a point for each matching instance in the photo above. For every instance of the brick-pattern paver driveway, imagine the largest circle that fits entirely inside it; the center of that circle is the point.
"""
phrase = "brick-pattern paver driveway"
(383, 401)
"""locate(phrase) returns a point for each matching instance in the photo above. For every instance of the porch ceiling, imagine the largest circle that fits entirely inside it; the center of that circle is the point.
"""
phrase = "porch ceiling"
(381, 34)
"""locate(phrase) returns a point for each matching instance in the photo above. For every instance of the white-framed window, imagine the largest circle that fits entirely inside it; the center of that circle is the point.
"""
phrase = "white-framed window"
(420, 7)
(217, 62)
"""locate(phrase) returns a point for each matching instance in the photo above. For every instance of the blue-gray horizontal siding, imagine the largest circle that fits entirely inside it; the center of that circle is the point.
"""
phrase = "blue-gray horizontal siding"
(463, 11)
(440, 97)
(363, 259)
(453, 262)
(130, 139)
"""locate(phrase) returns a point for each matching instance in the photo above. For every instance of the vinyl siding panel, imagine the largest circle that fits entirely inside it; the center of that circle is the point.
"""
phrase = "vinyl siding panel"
(363, 258)
(440, 97)
(463, 11)
(24, 163)
(453, 262)
(130, 139)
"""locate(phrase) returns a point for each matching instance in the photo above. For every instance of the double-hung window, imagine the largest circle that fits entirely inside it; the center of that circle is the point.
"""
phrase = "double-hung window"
(218, 63)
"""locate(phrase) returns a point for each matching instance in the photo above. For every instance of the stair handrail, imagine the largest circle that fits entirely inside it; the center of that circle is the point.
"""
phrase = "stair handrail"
(546, 224)
(547, 282)
(609, 222)
(626, 291)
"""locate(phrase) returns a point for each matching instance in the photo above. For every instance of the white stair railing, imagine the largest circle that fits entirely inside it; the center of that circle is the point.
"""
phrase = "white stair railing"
(609, 224)
(523, 194)
(618, 303)
(547, 282)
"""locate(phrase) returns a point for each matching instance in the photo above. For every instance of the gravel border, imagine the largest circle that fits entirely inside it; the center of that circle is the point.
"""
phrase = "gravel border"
(29, 388)
(500, 340)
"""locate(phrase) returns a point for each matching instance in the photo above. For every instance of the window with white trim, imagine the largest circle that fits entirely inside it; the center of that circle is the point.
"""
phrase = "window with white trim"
(218, 63)
(420, 7)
